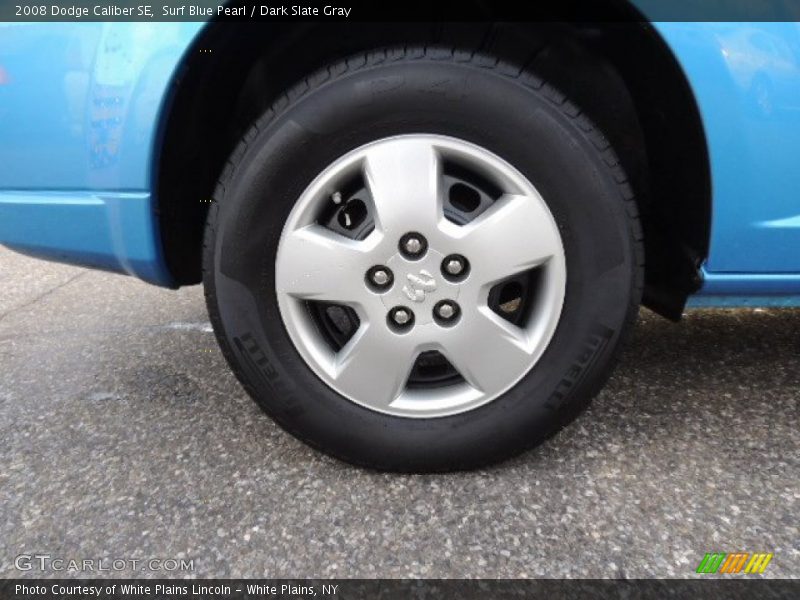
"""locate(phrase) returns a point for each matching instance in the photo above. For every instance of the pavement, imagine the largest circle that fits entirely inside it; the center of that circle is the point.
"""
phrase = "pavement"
(123, 435)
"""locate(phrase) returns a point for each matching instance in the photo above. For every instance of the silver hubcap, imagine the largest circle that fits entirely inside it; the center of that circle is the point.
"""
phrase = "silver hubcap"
(430, 305)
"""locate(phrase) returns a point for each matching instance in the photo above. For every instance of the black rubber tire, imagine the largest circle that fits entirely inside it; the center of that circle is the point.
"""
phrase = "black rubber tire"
(424, 90)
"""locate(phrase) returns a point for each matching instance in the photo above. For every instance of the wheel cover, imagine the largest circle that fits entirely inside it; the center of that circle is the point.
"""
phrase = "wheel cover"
(404, 177)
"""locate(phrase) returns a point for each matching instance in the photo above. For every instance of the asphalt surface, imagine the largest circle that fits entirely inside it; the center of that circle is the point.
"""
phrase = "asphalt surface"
(124, 435)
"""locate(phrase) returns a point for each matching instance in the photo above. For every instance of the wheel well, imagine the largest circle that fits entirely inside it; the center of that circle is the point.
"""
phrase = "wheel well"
(609, 69)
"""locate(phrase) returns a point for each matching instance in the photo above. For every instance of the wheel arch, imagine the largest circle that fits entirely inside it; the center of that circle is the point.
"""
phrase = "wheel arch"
(652, 121)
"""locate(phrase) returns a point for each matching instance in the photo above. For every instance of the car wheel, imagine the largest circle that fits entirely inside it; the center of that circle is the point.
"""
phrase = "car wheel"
(422, 260)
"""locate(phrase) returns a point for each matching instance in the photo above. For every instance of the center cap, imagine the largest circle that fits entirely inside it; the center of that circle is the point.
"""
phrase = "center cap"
(419, 285)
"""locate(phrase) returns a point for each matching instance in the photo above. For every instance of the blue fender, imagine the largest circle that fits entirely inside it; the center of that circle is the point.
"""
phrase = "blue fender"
(746, 80)
(80, 107)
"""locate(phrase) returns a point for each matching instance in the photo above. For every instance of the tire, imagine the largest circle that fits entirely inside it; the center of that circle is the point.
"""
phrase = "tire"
(510, 117)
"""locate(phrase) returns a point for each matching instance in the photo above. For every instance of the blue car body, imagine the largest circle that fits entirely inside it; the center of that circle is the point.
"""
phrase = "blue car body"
(83, 108)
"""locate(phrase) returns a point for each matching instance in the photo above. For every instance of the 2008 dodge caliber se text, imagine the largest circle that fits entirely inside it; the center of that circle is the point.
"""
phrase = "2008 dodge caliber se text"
(421, 247)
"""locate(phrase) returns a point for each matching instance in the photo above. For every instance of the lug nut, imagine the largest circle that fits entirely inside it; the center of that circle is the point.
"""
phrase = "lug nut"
(446, 310)
(400, 317)
(455, 267)
(380, 278)
(413, 245)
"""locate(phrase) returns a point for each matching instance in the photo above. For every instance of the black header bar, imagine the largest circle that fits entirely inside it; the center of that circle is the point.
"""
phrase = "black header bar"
(21, 11)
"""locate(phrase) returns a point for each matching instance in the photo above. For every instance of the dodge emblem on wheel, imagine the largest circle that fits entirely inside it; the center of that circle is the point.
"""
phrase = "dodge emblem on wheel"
(419, 284)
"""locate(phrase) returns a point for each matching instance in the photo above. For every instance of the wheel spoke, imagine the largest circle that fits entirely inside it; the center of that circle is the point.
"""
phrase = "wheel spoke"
(374, 365)
(516, 234)
(491, 353)
(404, 178)
(318, 264)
